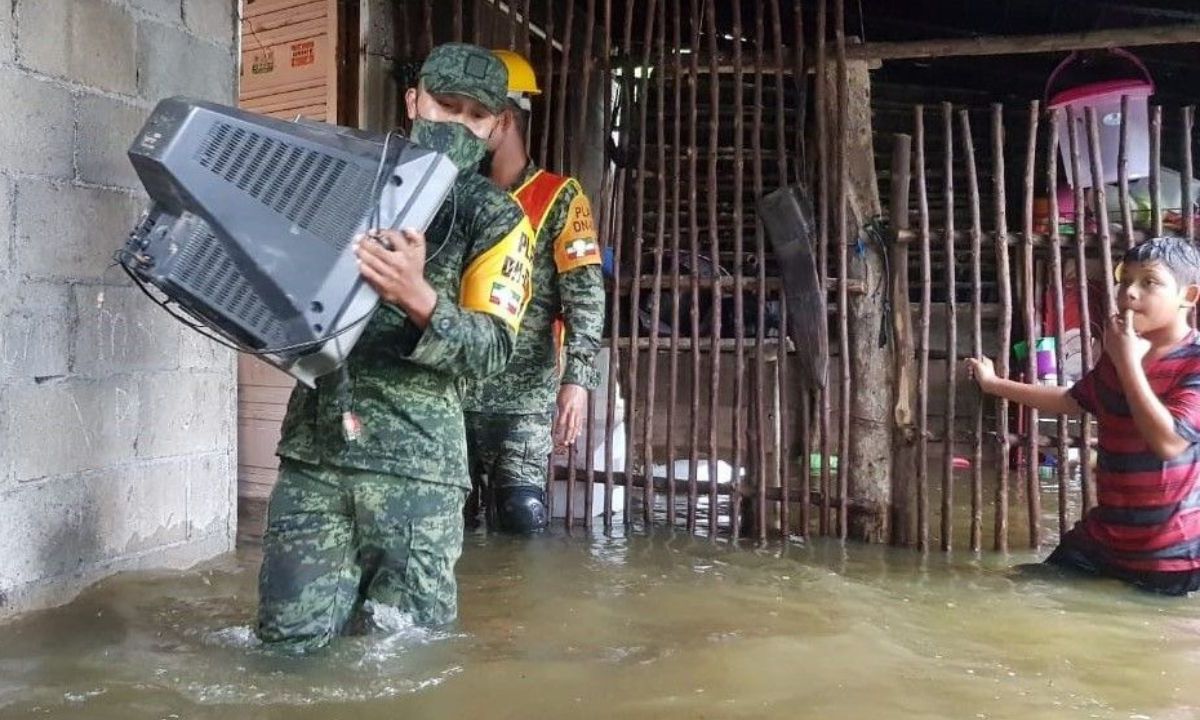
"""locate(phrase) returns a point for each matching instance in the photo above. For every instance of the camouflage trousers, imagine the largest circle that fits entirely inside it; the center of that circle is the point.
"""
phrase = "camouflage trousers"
(338, 537)
(509, 449)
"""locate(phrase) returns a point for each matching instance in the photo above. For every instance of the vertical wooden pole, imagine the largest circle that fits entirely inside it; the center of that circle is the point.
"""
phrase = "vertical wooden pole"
(739, 280)
(427, 25)
(564, 99)
(656, 291)
(824, 185)
(714, 392)
(1123, 175)
(800, 77)
(1056, 284)
(612, 235)
(782, 452)
(1031, 325)
(1000, 539)
(762, 432)
(843, 238)
(976, 327)
(904, 443)
(923, 326)
(548, 95)
(635, 295)
(585, 84)
(525, 37)
(801, 176)
(1156, 209)
(676, 289)
(694, 237)
(1085, 323)
(947, 535)
(1187, 200)
(1100, 199)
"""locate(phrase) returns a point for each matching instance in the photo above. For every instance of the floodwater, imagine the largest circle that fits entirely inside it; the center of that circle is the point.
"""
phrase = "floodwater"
(647, 626)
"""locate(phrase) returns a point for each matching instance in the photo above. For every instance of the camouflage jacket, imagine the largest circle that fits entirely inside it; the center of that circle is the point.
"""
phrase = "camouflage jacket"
(402, 380)
(567, 282)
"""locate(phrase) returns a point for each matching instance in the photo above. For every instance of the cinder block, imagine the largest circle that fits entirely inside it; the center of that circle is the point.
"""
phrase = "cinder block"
(212, 20)
(137, 507)
(120, 330)
(65, 524)
(6, 231)
(197, 352)
(212, 495)
(183, 413)
(87, 41)
(165, 9)
(67, 232)
(67, 426)
(35, 342)
(44, 532)
(37, 137)
(7, 43)
(171, 62)
(7, 467)
(106, 127)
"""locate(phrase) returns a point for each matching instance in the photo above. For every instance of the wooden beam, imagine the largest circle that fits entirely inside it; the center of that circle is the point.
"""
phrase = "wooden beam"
(1025, 44)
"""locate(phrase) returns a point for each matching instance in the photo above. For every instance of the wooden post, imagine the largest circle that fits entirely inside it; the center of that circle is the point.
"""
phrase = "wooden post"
(714, 356)
(1182, 33)
(635, 298)
(1085, 324)
(1123, 177)
(841, 172)
(739, 282)
(656, 292)
(1156, 219)
(1031, 326)
(1187, 116)
(676, 288)
(824, 186)
(548, 82)
(923, 366)
(904, 435)
(947, 534)
(1000, 537)
(1056, 284)
(976, 328)
(694, 284)
(759, 405)
(868, 463)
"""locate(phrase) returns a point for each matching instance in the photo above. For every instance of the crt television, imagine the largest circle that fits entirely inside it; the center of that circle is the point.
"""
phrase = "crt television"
(251, 220)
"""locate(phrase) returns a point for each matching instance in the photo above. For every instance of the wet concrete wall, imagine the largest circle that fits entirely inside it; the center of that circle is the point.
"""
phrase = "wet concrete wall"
(117, 425)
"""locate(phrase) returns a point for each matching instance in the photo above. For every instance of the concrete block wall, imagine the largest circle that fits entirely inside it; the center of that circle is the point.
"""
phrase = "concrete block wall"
(117, 425)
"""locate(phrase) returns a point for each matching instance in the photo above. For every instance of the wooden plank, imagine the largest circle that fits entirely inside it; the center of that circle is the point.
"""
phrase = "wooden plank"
(1025, 44)
(289, 68)
(252, 371)
(263, 10)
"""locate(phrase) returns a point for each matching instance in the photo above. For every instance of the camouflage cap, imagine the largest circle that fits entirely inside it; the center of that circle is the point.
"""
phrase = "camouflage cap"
(469, 70)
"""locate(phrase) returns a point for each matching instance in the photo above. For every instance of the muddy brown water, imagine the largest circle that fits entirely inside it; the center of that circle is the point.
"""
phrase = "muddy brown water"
(661, 625)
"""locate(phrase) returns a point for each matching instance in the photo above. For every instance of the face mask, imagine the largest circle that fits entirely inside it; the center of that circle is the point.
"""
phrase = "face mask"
(452, 139)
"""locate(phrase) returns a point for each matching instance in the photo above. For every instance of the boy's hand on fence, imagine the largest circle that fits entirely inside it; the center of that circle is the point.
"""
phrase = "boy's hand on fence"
(982, 371)
(1123, 345)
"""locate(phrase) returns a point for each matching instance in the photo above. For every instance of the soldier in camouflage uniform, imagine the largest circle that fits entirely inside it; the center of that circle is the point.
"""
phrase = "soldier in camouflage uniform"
(368, 506)
(540, 400)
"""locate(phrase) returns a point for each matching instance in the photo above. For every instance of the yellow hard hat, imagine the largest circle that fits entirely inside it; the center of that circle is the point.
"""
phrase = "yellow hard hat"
(521, 78)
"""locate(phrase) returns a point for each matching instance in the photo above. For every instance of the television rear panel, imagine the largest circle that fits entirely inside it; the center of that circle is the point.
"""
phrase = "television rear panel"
(252, 219)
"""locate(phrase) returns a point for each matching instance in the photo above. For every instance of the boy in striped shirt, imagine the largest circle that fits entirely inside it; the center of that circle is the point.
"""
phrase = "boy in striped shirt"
(1145, 395)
